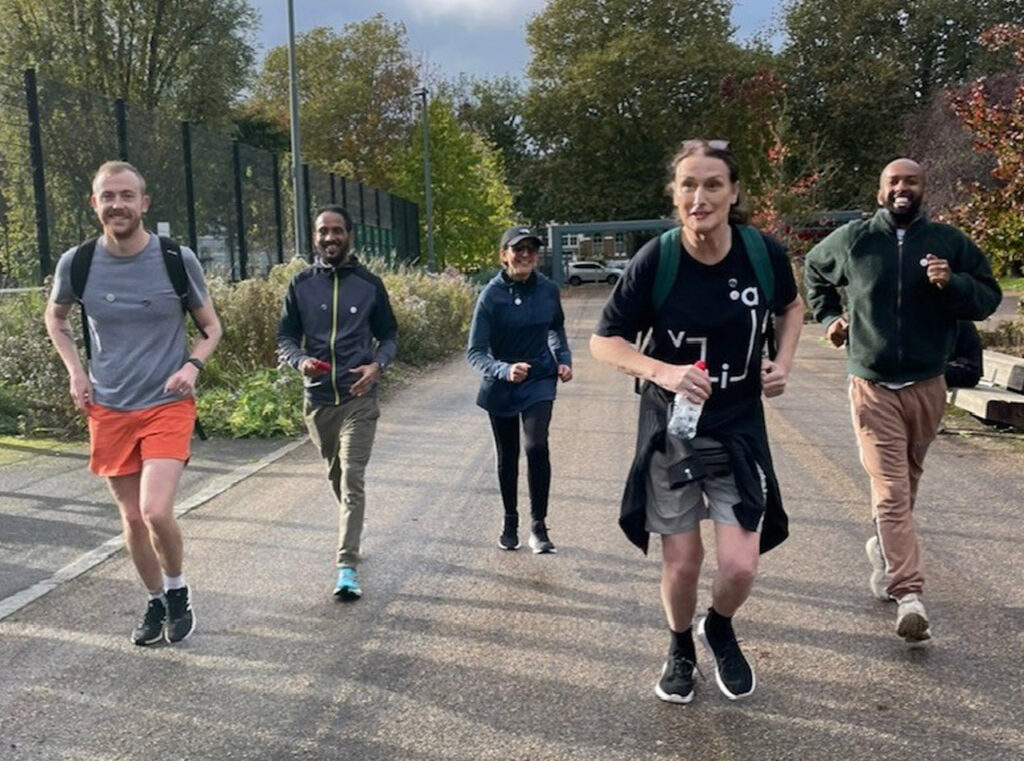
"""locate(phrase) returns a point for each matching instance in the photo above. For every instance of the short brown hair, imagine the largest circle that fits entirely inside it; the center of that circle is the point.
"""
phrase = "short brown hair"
(116, 167)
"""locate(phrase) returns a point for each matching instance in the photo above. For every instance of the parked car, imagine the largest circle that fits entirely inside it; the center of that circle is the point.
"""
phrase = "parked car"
(590, 272)
(616, 264)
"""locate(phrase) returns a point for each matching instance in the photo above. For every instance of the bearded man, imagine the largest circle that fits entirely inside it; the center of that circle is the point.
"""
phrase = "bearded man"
(907, 280)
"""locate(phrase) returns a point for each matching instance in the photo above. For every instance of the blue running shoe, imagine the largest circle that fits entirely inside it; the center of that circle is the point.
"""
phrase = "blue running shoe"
(347, 586)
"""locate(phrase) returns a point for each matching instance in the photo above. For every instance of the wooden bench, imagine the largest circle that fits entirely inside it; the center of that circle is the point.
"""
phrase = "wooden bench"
(999, 397)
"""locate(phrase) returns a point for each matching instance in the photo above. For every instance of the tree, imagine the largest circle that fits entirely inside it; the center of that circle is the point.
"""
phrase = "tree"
(471, 202)
(188, 57)
(995, 115)
(859, 67)
(615, 85)
(355, 96)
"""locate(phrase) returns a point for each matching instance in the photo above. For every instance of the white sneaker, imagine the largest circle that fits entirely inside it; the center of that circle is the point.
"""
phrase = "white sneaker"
(880, 580)
(912, 620)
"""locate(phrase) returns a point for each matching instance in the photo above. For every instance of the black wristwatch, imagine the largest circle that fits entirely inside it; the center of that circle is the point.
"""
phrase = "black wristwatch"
(195, 361)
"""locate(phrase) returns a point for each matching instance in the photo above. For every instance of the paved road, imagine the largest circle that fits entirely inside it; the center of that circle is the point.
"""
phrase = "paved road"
(460, 651)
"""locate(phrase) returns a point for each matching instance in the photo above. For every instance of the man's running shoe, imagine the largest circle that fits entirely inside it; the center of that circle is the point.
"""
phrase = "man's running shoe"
(733, 675)
(181, 620)
(676, 682)
(912, 620)
(150, 628)
(347, 586)
(539, 542)
(880, 580)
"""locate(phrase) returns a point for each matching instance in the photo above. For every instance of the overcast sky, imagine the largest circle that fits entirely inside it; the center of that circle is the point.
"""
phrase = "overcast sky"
(484, 38)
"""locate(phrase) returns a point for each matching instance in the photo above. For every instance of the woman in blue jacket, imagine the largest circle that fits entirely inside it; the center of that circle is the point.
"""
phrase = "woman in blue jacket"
(517, 341)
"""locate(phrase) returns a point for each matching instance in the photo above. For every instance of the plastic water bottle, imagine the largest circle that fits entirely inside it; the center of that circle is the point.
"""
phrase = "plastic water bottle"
(684, 414)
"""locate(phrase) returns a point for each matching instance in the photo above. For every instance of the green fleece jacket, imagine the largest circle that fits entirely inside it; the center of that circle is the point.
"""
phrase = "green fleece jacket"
(902, 327)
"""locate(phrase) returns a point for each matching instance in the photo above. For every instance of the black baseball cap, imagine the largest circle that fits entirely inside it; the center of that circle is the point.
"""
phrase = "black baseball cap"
(514, 235)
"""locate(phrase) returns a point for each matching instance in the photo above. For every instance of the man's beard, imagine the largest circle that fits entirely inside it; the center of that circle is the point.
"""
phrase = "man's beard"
(903, 215)
(135, 224)
(340, 257)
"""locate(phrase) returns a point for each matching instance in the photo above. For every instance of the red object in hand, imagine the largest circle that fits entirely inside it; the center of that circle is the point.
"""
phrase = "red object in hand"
(319, 364)
(700, 364)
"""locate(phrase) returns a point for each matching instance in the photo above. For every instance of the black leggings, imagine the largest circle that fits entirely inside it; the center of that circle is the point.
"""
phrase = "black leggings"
(536, 420)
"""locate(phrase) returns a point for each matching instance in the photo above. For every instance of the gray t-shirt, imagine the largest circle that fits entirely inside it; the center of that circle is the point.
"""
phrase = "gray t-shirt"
(136, 326)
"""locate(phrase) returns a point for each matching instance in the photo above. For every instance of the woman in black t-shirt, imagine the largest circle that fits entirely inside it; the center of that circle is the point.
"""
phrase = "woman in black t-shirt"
(717, 310)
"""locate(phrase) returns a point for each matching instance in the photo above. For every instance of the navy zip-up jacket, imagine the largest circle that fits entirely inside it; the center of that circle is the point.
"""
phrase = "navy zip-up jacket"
(339, 315)
(517, 322)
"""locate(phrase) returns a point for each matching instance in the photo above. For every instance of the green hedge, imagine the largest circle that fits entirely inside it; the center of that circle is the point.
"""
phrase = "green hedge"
(242, 391)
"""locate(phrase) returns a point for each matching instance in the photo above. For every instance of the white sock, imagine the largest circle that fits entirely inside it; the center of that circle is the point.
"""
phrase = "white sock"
(156, 594)
(174, 582)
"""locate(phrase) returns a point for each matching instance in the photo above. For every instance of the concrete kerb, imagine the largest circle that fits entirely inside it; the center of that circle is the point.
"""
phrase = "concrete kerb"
(94, 557)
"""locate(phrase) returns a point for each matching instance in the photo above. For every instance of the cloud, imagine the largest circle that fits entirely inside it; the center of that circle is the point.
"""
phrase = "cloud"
(473, 12)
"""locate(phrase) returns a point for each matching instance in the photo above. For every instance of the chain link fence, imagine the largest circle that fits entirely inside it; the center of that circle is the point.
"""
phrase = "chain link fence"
(230, 202)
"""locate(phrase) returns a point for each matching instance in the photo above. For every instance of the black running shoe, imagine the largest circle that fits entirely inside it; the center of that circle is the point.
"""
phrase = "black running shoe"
(509, 539)
(539, 542)
(180, 618)
(150, 628)
(733, 674)
(676, 683)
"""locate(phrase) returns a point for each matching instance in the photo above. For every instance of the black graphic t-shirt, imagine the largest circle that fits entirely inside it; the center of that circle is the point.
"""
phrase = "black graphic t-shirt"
(713, 312)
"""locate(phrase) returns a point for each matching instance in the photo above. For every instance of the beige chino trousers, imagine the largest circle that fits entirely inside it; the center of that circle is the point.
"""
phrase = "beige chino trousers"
(894, 430)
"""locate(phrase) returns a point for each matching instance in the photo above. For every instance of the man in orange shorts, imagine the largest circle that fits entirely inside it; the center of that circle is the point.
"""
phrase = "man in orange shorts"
(138, 389)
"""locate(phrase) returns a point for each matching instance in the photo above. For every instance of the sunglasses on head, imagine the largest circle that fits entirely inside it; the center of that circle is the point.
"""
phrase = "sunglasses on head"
(715, 145)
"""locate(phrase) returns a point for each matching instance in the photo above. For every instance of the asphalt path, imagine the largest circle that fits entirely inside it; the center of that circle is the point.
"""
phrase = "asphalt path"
(459, 650)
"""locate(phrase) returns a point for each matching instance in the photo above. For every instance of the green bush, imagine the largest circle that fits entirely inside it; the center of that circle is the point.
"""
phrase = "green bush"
(242, 392)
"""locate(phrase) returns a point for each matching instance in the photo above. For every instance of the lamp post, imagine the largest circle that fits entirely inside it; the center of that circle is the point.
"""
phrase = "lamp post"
(298, 190)
(421, 92)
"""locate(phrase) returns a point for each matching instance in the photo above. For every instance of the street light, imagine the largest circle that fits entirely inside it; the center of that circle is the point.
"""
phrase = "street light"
(421, 92)
(298, 191)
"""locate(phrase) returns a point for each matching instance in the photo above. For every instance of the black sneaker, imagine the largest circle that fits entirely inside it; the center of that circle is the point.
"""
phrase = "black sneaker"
(676, 683)
(509, 539)
(539, 542)
(733, 674)
(150, 629)
(180, 618)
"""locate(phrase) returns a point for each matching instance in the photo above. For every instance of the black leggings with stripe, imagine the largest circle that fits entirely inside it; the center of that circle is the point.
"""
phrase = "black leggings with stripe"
(536, 421)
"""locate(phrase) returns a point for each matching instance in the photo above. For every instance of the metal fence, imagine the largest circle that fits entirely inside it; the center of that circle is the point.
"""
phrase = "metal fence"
(230, 202)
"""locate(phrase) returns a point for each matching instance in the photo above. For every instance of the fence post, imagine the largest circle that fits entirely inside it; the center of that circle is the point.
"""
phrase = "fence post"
(344, 193)
(190, 189)
(334, 195)
(362, 212)
(121, 117)
(380, 227)
(236, 170)
(35, 149)
(308, 211)
(278, 221)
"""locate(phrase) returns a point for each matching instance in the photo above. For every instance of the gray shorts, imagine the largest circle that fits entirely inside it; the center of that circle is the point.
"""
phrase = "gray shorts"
(675, 511)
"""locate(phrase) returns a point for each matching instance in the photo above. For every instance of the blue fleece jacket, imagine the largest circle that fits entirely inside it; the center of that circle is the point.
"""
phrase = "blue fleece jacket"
(517, 322)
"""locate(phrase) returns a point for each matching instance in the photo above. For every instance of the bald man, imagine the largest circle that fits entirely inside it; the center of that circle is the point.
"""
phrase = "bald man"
(907, 280)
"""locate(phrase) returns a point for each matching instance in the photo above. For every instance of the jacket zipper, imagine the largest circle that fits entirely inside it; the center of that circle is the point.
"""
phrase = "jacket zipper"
(334, 335)
(899, 299)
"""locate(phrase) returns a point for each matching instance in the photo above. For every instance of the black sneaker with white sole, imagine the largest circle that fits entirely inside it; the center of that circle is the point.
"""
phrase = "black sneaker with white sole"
(733, 675)
(181, 620)
(676, 682)
(509, 539)
(539, 541)
(150, 628)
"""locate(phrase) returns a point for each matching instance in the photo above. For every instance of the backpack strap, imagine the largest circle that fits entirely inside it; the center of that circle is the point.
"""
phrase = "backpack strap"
(668, 267)
(81, 261)
(757, 252)
(175, 265)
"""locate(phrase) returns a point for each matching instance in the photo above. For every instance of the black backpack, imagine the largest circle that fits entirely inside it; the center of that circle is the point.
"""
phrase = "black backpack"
(81, 262)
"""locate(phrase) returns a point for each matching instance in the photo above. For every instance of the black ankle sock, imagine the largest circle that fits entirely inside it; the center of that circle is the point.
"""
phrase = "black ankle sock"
(718, 628)
(682, 643)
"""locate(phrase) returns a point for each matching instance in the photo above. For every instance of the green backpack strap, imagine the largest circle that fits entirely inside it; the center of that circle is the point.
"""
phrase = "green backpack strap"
(668, 267)
(757, 252)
